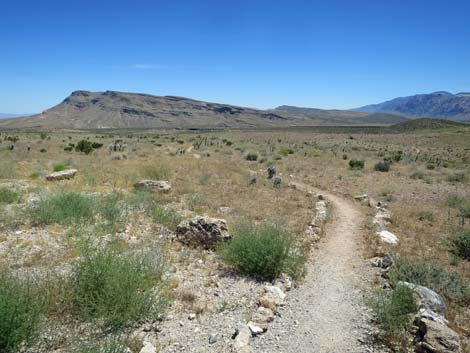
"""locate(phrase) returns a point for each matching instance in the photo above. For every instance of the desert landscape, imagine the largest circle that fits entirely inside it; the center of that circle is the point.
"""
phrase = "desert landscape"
(235, 240)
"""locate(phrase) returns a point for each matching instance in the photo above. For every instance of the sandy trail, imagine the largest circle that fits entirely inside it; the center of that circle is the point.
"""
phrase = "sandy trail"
(327, 314)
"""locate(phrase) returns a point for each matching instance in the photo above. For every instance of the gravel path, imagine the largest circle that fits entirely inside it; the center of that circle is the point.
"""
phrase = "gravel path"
(327, 314)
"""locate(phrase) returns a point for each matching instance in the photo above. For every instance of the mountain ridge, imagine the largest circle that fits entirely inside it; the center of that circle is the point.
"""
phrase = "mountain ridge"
(440, 104)
(112, 109)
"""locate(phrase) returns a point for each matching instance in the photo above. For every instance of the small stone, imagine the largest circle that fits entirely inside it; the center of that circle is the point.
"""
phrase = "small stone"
(148, 348)
(255, 330)
(213, 338)
(192, 316)
(243, 337)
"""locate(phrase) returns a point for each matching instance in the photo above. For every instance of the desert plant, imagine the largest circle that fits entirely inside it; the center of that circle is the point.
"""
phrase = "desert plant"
(109, 345)
(64, 208)
(156, 172)
(462, 244)
(21, 310)
(450, 285)
(456, 177)
(425, 216)
(394, 310)
(8, 195)
(286, 151)
(119, 287)
(263, 251)
(251, 156)
(167, 217)
(382, 167)
(84, 146)
(58, 167)
(356, 164)
(96, 145)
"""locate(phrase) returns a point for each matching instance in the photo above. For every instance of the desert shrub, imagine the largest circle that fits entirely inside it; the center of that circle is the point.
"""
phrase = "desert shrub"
(286, 151)
(251, 156)
(345, 157)
(64, 208)
(96, 145)
(464, 209)
(43, 150)
(430, 165)
(394, 310)
(8, 195)
(58, 167)
(356, 164)
(264, 251)
(397, 156)
(462, 244)
(382, 167)
(68, 149)
(167, 217)
(112, 212)
(419, 174)
(84, 146)
(21, 310)
(425, 216)
(463, 205)
(117, 287)
(43, 135)
(456, 177)
(454, 201)
(450, 285)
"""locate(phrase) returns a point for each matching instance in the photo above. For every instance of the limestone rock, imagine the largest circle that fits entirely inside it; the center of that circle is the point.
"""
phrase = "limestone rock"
(427, 298)
(436, 337)
(242, 338)
(148, 348)
(388, 237)
(160, 185)
(62, 175)
(202, 231)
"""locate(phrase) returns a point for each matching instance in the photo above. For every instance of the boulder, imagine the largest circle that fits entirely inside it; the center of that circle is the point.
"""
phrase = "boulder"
(62, 175)
(160, 185)
(242, 338)
(427, 298)
(262, 317)
(436, 337)
(202, 231)
(388, 237)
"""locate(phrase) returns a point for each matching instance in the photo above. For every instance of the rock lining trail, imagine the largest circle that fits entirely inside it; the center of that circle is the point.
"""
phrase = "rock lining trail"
(327, 313)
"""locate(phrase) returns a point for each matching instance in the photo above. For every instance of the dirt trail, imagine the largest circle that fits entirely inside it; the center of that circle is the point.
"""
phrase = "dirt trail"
(327, 314)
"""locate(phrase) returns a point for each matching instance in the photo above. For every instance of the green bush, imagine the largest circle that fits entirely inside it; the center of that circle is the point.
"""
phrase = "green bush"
(382, 167)
(286, 151)
(462, 243)
(393, 310)
(96, 145)
(84, 146)
(112, 212)
(356, 164)
(68, 149)
(251, 156)
(119, 288)
(456, 177)
(64, 208)
(8, 195)
(167, 217)
(21, 310)
(431, 276)
(263, 251)
(58, 167)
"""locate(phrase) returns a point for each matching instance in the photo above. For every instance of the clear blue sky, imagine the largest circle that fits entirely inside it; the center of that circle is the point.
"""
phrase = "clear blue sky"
(327, 54)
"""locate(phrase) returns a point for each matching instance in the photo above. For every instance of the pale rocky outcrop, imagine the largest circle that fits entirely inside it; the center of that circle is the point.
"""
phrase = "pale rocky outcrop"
(202, 231)
(160, 185)
(62, 175)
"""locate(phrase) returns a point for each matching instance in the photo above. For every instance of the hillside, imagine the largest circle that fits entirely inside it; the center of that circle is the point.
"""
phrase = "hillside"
(443, 105)
(110, 109)
(426, 124)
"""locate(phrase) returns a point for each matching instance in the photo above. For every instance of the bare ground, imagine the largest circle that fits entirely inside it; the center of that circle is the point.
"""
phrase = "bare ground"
(327, 313)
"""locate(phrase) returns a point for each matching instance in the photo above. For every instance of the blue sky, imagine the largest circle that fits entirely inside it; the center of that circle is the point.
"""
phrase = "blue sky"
(326, 54)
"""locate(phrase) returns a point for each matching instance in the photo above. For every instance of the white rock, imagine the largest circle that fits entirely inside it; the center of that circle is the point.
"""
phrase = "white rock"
(160, 185)
(388, 237)
(64, 174)
(148, 348)
(255, 330)
(243, 338)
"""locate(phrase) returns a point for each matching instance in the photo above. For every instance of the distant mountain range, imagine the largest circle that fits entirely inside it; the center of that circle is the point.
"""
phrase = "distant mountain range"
(7, 115)
(442, 105)
(110, 109)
